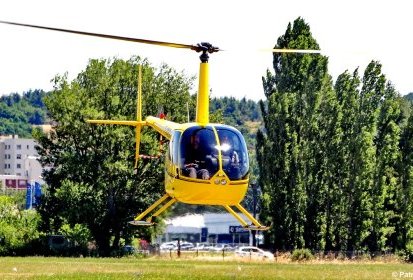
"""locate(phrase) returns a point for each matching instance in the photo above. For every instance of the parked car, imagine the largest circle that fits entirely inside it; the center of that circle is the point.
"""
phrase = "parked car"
(201, 247)
(208, 247)
(186, 246)
(59, 243)
(222, 247)
(167, 246)
(128, 250)
(254, 252)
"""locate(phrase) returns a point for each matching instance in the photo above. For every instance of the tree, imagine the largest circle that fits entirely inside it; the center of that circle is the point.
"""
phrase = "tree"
(288, 159)
(90, 174)
(347, 195)
(387, 178)
(335, 163)
(17, 227)
(18, 113)
(404, 198)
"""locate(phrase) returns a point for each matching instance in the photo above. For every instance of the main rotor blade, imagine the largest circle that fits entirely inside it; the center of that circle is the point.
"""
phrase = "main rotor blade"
(136, 40)
(293, 51)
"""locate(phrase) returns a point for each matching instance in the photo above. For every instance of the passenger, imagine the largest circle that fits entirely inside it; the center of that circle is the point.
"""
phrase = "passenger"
(195, 160)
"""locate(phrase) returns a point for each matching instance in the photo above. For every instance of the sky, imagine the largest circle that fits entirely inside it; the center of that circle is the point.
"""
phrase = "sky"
(351, 33)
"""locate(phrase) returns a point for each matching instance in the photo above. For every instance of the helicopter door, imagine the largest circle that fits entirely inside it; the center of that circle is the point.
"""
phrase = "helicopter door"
(197, 158)
(172, 155)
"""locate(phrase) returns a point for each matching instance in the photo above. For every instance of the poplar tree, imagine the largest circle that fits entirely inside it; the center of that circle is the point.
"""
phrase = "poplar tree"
(335, 163)
(285, 148)
(404, 229)
(347, 198)
(387, 178)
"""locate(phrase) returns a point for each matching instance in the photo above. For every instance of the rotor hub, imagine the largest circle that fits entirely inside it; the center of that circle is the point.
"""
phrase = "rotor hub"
(205, 48)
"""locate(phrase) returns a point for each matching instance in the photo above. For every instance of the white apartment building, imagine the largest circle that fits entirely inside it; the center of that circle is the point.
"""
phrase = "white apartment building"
(18, 162)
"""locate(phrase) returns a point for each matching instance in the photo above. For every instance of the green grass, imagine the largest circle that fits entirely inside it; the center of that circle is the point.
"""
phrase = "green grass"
(162, 268)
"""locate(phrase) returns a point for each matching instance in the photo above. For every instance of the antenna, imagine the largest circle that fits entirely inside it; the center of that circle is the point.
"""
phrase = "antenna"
(187, 110)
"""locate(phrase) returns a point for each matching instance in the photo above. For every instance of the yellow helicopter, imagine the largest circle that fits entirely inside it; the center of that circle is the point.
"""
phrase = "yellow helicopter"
(205, 163)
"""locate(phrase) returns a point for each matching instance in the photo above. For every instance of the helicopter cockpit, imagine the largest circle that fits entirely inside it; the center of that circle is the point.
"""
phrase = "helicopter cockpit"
(205, 150)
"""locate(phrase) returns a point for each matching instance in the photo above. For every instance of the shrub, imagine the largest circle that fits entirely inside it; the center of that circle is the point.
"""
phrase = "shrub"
(301, 255)
(407, 254)
(18, 228)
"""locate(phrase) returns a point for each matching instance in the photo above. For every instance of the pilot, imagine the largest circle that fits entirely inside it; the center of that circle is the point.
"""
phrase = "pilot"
(231, 160)
(195, 160)
(227, 148)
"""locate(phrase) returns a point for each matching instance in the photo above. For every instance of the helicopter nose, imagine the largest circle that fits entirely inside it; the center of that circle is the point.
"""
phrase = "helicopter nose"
(220, 181)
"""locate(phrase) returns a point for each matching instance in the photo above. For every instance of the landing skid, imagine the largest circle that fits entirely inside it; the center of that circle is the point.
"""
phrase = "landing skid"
(141, 223)
(138, 221)
(255, 225)
(252, 227)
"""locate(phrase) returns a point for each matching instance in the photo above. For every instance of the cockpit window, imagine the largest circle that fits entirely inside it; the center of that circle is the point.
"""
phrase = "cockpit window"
(197, 160)
(201, 155)
(234, 154)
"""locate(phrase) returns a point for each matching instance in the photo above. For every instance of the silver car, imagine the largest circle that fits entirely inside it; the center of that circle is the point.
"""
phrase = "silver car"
(254, 252)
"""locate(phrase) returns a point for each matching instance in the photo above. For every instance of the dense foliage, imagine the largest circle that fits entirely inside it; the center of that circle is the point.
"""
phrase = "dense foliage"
(90, 174)
(18, 113)
(335, 161)
(409, 96)
(18, 227)
(236, 112)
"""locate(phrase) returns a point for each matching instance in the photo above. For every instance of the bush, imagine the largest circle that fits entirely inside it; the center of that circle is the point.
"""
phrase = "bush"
(18, 228)
(301, 255)
(407, 254)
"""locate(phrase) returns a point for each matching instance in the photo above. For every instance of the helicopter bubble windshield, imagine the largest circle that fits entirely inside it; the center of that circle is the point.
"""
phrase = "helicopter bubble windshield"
(202, 153)
(234, 153)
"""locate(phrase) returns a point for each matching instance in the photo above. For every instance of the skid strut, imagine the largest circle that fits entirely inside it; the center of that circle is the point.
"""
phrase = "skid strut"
(255, 225)
(138, 221)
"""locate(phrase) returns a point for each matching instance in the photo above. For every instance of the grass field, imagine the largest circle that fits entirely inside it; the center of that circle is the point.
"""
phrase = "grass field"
(217, 268)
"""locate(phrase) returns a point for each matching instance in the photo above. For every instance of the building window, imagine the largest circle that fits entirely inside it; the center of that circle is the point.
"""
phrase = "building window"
(19, 147)
(18, 156)
(19, 166)
(5, 156)
(5, 166)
